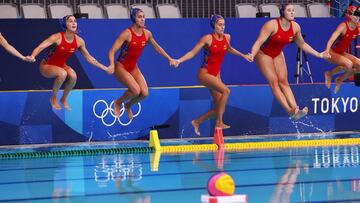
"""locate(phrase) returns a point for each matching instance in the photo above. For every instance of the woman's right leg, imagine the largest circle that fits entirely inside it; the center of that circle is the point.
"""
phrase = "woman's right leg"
(209, 114)
(267, 67)
(68, 85)
(144, 91)
(50, 71)
(328, 74)
(216, 85)
(350, 72)
(125, 78)
(343, 64)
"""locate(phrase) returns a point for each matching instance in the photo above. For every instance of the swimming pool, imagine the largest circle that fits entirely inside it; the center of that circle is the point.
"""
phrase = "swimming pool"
(317, 174)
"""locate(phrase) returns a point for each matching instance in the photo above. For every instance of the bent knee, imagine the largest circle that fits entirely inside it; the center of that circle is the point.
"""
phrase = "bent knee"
(62, 75)
(226, 91)
(72, 76)
(348, 65)
(135, 91)
(144, 93)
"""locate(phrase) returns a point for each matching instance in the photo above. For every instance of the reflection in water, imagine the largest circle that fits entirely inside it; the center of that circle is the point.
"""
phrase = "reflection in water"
(124, 171)
(303, 179)
(119, 167)
(326, 157)
(285, 185)
(62, 187)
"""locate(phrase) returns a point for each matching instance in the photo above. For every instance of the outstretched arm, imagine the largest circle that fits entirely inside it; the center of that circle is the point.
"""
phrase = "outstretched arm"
(90, 59)
(299, 40)
(205, 40)
(339, 30)
(124, 36)
(265, 32)
(11, 49)
(236, 52)
(53, 39)
(156, 46)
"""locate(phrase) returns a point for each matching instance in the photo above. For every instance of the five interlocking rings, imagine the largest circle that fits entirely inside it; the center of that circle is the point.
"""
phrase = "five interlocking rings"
(109, 111)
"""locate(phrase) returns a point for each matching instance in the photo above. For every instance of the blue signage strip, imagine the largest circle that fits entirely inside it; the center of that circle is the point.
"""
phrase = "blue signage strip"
(27, 118)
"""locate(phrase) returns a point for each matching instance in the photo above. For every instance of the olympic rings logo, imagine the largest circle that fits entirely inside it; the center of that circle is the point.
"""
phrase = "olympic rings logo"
(108, 111)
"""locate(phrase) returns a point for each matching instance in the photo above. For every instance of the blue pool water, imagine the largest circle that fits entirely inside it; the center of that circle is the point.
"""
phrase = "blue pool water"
(320, 174)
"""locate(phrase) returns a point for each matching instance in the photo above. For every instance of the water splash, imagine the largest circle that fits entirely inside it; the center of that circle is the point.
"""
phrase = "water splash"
(125, 134)
(306, 122)
(91, 136)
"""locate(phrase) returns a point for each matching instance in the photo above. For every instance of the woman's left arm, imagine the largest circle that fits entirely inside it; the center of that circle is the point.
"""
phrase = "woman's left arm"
(156, 46)
(300, 42)
(234, 51)
(90, 59)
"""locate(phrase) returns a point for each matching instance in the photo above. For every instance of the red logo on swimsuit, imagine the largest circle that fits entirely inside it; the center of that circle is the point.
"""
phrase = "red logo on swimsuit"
(143, 43)
(225, 47)
(134, 43)
(72, 50)
(62, 48)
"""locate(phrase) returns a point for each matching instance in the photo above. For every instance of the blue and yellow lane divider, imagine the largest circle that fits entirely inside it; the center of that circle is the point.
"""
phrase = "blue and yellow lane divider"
(219, 143)
(155, 146)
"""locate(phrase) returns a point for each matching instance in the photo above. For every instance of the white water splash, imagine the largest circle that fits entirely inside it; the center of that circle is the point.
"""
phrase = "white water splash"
(306, 123)
(125, 134)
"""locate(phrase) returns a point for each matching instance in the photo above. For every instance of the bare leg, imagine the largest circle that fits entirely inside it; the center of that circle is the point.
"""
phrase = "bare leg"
(127, 80)
(144, 92)
(50, 71)
(68, 86)
(350, 72)
(282, 75)
(267, 67)
(344, 63)
(328, 75)
(281, 71)
(220, 94)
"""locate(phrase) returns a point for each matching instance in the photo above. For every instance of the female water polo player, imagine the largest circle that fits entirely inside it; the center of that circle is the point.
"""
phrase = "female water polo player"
(132, 41)
(339, 41)
(267, 50)
(54, 65)
(215, 46)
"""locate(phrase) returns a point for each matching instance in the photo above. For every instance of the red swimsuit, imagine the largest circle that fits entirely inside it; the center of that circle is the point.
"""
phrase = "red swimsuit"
(131, 51)
(214, 55)
(61, 52)
(344, 41)
(274, 44)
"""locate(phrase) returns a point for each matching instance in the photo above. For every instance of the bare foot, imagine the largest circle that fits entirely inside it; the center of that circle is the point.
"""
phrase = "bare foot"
(65, 104)
(338, 84)
(225, 126)
(328, 76)
(117, 108)
(55, 105)
(128, 111)
(293, 111)
(195, 124)
(222, 125)
(300, 113)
